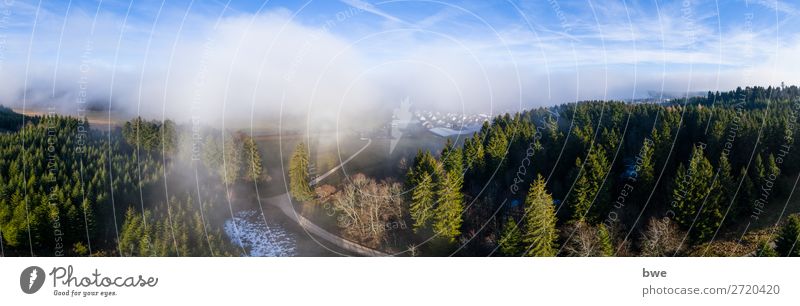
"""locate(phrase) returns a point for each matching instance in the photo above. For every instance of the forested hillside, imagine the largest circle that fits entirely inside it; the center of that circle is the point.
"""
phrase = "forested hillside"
(68, 189)
(699, 176)
(703, 176)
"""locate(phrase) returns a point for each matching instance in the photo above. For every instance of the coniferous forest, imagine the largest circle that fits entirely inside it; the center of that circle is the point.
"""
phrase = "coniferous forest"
(703, 176)
(565, 151)
(698, 176)
(67, 189)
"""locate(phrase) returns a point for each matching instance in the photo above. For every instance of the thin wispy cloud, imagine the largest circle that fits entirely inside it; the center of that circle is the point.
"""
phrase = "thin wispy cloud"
(353, 54)
(362, 5)
(780, 6)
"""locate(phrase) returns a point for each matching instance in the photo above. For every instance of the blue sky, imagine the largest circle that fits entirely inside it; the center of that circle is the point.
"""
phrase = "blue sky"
(463, 55)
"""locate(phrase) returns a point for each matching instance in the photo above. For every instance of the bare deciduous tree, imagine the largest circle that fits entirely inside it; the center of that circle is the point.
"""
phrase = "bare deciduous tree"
(367, 209)
(583, 242)
(661, 238)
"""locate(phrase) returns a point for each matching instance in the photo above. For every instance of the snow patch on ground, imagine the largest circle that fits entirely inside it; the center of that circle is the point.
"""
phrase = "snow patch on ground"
(258, 238)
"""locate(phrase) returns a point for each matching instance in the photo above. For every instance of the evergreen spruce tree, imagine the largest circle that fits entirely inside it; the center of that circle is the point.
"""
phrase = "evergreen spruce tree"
(232, 162)
(540, 222)
(646, 171)
(452, 159)
(474, 153)
(447, 219)
(747, 194)
(510, 242)
(422, 179)
(772, 166)
(298, 174)
(787, 242)
(764, 249)
(759, 171)
(448, 213)
(590, 187)
(412, 175)
(724, 198)
(169, 138)
(581, 197)
(605, 243)
(253, 169)
(773, 171)
(691, 192)
(598, 167)
(423, 198)
(131, 232)
(212, 154)
(496, 147)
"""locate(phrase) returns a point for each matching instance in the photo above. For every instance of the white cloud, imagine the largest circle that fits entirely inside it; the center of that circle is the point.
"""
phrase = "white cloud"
(249, 63)
(269, 63)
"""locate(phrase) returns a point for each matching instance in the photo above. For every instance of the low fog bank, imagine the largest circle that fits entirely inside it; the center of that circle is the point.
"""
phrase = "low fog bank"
(263, 68)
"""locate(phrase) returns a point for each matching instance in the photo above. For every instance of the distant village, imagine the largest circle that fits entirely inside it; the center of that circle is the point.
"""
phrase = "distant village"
(449, 124)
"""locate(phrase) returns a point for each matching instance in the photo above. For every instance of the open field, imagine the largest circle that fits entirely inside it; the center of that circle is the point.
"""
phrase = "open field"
(97, 119)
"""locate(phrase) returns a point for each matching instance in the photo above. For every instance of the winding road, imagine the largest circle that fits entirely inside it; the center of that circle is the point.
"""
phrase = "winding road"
(284, 202)
(318, 179)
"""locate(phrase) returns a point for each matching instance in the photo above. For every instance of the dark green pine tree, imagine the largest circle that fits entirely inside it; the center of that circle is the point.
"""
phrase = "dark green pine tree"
(747, 194)
(604, 241)
(298, 174)
(253, 169)
(448, 213)
(232, 161)
(772, 166)
(786, 244)
(510, 242)
(590, 187)
(423, 198)
(169, 136)
(764, 249)
(424, 162)
(422, 179)
(496, 147)
(5, 216)
(131, 233)
(452, 158)
(598, 167)
(693, 190)
(212, 154)
(759, 171)
(581, 197)
(727, 185)
(540, 222)
(773, 170)
(646, 171)
(474, 153)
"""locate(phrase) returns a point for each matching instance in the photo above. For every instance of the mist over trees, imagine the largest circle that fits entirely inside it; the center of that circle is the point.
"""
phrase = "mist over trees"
(700, 176)
(69, 190)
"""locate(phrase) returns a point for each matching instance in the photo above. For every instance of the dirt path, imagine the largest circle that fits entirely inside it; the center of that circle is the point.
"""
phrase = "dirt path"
(317, 179)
